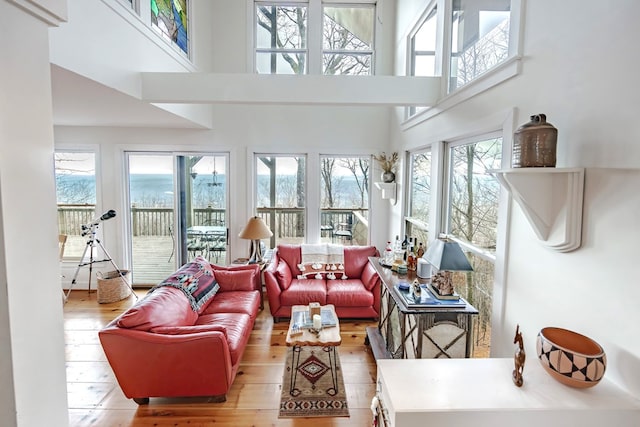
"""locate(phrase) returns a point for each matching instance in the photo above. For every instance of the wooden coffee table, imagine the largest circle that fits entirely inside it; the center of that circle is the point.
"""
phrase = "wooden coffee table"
(328, 338)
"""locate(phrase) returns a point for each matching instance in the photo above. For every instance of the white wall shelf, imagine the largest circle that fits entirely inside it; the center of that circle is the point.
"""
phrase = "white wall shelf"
(389, 191)
(551, 199)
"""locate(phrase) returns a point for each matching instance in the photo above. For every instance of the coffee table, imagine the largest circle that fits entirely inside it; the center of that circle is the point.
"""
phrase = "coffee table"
(328, 338)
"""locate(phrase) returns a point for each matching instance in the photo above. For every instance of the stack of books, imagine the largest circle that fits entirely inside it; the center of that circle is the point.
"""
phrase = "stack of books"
(304, 320)
(426, 299)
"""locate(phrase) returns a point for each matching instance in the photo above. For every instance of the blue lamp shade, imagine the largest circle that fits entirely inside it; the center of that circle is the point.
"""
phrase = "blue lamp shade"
(446, 255)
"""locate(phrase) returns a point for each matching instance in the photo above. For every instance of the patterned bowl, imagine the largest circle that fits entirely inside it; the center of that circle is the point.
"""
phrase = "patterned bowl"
(571, 358)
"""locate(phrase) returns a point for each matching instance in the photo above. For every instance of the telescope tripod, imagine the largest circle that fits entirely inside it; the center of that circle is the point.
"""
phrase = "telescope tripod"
(92, 244)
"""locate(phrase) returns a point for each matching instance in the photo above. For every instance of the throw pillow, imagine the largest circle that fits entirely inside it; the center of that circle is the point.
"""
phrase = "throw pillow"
(196, 280)
(283, 273)
(235, 280)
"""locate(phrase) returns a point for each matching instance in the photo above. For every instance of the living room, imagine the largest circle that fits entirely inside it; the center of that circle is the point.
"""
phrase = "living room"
(88, 61)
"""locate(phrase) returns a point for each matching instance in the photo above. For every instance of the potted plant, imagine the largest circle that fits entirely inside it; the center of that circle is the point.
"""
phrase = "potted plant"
(388, 165)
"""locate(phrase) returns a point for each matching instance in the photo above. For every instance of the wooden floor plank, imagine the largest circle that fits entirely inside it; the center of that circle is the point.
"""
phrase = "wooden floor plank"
(95, 399)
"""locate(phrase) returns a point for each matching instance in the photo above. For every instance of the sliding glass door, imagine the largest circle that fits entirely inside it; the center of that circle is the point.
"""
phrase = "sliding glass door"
(178, 210)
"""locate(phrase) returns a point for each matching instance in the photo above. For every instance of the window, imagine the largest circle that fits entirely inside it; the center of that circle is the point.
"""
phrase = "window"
(344, 204)
(281, 39)
(417, 219)
(472, 221)
(347, 40)
(482, 36)
(423, 51)
(281, 196)
(479, 38)
(75, 174)
(170, 18)
(307, 37)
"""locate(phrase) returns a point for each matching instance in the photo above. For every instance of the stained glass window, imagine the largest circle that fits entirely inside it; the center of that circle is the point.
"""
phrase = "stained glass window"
(170, 18)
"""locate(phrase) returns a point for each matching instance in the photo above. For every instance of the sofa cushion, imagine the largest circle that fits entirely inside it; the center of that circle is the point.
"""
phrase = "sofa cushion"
(238, 329)
(348, 293)
(291, 254)
(304, 291)
(356, 258)
(239, 280)
(235, 302)
(166, 306)
(197, 282)
(182, 330)
(283, 273)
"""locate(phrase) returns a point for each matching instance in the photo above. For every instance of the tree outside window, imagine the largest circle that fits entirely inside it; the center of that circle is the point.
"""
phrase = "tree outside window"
(281, 196)
(417, 220)
(473, 219)
(283, 44)
(75, 174)
(344, 205)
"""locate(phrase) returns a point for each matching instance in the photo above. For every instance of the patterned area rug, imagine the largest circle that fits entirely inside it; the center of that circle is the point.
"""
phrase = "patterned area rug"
(313, 394)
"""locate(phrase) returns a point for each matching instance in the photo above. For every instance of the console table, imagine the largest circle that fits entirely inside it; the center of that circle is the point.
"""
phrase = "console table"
(481, 393)
(414, 333)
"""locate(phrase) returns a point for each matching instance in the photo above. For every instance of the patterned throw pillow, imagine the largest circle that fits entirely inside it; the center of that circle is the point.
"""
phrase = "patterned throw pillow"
(196, 280)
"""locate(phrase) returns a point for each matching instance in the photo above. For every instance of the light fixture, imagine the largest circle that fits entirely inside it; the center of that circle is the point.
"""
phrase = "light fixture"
(214, 179)
(255, 230)
(446, 256)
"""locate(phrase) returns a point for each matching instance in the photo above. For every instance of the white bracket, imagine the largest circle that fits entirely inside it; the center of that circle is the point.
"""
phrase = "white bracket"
(389, 190)
(551, 199)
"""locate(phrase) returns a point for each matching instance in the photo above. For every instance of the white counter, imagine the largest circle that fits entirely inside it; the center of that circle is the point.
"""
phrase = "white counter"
(480, 392)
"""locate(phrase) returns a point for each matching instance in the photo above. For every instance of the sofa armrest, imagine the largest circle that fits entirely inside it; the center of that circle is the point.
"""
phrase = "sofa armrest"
(152, 365)
(272, 286)
(369, 277)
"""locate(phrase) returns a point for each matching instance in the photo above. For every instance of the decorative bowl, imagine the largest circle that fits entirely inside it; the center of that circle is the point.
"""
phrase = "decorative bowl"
(571, 358)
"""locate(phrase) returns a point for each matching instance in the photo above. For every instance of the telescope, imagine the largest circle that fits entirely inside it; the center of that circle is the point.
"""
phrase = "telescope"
(94, 223)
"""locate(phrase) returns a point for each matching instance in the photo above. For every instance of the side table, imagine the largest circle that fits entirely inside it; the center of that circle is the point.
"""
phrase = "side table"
(414, 333)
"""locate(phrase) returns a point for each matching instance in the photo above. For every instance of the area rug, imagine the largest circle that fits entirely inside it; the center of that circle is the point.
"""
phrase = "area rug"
(314, 394)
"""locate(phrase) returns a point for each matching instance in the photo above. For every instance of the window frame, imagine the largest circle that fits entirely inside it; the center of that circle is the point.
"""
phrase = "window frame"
(494, 76)
(315, 22)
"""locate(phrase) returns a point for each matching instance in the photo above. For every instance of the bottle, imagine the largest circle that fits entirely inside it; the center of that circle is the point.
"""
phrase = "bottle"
(411, 260)
(420, 250)
(388, 254)
(404, 246)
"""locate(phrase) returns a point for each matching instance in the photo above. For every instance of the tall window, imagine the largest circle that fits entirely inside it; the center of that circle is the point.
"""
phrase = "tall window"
(76, 197)
(344, 194)
(417, 220)
(347, 39)
(472, 220)
(479, 38)
(423, 50)
(281, 39)
(281, 196)
(170, 18)
(305, 37)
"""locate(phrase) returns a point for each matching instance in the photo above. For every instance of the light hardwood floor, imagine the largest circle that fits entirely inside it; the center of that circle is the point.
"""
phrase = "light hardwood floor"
(95, 399)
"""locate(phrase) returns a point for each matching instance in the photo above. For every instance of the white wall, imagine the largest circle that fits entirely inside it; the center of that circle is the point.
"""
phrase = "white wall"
(32, 367)
(577, 67)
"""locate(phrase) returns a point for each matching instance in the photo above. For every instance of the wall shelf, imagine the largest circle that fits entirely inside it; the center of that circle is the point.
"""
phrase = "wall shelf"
(389, 191)
(551, 199)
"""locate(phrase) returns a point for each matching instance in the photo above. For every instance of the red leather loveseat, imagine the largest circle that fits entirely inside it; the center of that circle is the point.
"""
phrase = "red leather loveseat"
(187, 335)
(353, 287)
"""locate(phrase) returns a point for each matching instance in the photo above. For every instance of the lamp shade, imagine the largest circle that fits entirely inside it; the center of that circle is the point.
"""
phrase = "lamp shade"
(255, 229)
(446, 255)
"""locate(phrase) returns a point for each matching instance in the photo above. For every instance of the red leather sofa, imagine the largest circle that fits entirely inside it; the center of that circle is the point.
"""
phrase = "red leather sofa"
(165, 346)
(356, 296)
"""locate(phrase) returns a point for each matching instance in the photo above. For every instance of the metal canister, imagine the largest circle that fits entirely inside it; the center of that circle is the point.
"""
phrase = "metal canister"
(534, 144)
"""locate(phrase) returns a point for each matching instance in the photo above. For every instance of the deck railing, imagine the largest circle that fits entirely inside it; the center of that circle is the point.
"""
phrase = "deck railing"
(284, 222)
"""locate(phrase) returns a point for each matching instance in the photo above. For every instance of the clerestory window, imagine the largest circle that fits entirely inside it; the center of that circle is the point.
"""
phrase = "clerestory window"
(314, 37)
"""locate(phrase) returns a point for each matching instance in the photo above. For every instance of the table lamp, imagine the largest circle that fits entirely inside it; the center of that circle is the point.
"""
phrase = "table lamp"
(255, 230)
(446, 256)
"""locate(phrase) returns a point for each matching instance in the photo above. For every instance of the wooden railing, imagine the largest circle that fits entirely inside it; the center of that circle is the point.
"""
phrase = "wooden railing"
(284, 222)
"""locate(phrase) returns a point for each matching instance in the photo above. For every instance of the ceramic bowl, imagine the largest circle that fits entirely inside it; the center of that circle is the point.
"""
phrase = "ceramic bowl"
(571, 358)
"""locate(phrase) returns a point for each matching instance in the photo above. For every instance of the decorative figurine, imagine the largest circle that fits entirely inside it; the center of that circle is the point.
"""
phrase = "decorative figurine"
(518, 358)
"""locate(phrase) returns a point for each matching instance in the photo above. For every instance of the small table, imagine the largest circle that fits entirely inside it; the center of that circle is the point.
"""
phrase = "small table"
(328, 338)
